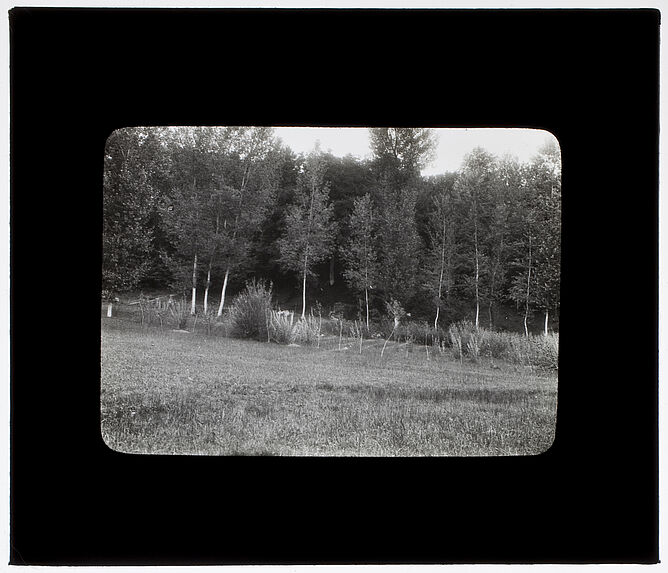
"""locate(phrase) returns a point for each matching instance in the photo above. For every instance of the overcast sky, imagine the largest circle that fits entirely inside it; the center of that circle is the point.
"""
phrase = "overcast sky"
(453, 144)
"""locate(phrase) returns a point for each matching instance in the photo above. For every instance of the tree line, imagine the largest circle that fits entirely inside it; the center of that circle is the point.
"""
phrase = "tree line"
(202, 210)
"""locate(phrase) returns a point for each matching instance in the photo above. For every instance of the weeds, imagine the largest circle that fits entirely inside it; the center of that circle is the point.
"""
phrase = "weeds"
(250, 312)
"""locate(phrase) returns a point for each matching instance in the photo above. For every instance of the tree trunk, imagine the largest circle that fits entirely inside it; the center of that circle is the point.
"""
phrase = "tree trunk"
(366, 296)
(222, 296)
(331, 271)
(440, 276)
(526, 306)
(477, 308)
(194, 297)
(547, 314)
(477, 278)
(206, 290)
(109, 307)
(304, 296)
(208, 274)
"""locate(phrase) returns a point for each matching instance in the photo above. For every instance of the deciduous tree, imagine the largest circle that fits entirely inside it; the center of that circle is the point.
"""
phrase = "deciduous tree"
(133, 166)
(358, 251)
(439, 267)
(475, 188)
(309, 233)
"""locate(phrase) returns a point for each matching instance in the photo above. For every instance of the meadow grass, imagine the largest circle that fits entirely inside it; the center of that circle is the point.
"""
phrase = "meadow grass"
(164, 391)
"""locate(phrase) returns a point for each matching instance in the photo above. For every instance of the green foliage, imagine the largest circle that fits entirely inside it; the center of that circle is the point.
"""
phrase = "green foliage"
(250, 312)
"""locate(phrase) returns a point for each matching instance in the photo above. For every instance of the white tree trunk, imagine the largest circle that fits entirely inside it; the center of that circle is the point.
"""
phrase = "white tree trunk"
(366, 296)
(440, 276)
(547, 314)
(526, 307)
(477, 278)
(194, 296)
(109, 306)
(222, 296)
(206, 290)
(304, 296)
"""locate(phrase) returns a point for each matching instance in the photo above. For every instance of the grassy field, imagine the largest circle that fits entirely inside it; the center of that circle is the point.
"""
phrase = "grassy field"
(164, 391)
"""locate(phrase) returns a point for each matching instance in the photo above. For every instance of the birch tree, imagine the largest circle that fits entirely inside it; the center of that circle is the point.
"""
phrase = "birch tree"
(440, 258)
(250, 193)
(399, 247)
(308, 238)
(358, 252)
(474, 187)
(191, 180)
(507, 178)
(522, 266)
(545, 170)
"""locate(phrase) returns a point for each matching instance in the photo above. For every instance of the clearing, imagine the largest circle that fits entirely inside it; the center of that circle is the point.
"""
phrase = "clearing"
(188, 393)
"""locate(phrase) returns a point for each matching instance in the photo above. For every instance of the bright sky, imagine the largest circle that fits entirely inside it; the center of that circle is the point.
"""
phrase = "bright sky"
(453, 144)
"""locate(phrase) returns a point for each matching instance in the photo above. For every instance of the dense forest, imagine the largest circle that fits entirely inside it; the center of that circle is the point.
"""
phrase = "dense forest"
(199, 212)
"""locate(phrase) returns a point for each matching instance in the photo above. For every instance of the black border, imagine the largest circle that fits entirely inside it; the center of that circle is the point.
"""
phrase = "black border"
(588, 76)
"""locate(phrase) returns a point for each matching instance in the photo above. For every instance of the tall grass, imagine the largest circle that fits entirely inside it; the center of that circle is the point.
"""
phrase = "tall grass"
(251, 316)
(284, 329)
(163, 310)
(250, 311)
(536, 351)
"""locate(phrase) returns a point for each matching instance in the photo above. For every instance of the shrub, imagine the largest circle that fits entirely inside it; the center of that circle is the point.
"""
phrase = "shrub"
(331, 326)
(496, 344)
(281, 328)
(178, 313)
(475, 342)
(544, 351)
(460, 334)
(540, 351)
(307, 330)
(250, 312)
(285, 330)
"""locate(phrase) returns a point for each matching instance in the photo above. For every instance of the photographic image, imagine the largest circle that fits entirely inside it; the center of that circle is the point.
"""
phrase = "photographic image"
(330, 291)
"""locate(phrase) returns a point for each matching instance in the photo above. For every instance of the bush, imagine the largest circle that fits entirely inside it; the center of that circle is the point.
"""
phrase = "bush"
(307, 330)
(250, 312)
(463, 339)
(281, 327)
(497, 344)
(545, 351)
(540, 351)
